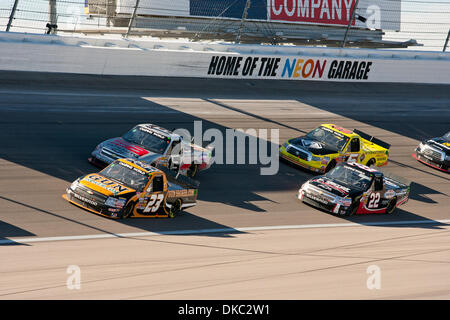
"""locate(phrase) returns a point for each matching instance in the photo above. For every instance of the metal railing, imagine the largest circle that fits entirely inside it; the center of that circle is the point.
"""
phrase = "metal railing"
(421, 24)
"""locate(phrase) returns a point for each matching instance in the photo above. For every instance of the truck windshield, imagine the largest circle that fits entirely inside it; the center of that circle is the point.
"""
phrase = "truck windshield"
(128, 175)
(328, 137)
(351, 177)
(147, 139)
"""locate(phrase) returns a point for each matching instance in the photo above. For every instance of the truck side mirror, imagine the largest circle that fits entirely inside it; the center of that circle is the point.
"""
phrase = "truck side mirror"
(378, 183)
(176, 148)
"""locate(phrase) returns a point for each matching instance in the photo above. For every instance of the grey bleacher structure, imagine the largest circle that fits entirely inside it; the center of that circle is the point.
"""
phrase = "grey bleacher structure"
(226, 29)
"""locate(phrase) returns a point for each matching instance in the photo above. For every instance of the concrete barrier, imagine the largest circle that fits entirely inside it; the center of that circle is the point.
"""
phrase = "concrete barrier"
(109, 56)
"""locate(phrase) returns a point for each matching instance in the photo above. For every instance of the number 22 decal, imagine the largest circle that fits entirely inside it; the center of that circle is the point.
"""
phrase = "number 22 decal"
(154, 202)
(374, 199)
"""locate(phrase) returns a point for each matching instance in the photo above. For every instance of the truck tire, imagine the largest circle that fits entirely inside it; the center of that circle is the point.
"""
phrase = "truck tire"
(330, 166)
(127, 211)
(390, 209)
(371, 162)
(192, 170)
(175, 209)
(354, 207)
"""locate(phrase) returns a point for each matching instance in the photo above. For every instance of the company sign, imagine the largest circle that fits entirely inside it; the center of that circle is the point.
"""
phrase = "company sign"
(312, 11)
(376, 14)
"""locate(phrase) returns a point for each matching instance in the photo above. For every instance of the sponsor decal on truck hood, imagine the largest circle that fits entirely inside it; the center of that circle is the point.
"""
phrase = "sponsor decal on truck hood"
(333, 187)
(125, 148)
(315, 147)
(104, 185)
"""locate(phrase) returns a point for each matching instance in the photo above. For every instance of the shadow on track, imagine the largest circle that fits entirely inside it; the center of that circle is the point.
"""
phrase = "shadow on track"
(9, 231)
(55, 133)
(56, 136)
(410, 115)
(183, 222)
(399, 219)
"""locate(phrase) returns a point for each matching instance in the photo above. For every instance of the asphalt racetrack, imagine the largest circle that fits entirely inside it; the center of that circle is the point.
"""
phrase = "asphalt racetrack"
(248, 236)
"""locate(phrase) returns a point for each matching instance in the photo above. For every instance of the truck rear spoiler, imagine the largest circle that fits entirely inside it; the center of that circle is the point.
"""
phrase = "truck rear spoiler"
(398, 179)
(372, 139)
(179, 179)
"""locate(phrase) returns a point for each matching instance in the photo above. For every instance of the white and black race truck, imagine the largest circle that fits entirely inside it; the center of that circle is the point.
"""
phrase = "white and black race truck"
(156, 146)
(352, 188)
(435, 152)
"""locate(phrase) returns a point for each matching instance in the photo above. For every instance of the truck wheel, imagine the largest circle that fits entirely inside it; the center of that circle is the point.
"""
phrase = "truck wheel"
(175, 209)
(330, 166)
(390, 209)
(127, 211)
(192, 170)
(354, 207)
(371, 162)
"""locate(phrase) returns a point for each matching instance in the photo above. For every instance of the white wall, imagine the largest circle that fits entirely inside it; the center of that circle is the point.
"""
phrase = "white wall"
(155, 7)
(43, 53)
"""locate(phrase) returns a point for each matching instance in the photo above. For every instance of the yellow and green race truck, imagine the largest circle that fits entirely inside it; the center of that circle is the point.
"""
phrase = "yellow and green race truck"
(327, 145)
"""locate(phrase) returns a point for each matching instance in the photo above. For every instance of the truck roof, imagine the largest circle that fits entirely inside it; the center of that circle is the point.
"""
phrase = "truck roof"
(367, 139)
(158, 130)
(361, 167)
(345, 132)
(140, 165)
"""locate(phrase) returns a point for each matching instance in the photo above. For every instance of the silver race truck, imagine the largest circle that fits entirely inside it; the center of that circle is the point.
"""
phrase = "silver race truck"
(156, 146)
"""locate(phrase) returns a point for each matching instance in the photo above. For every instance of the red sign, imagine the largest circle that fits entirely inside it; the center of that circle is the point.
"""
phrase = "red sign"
(313, 11)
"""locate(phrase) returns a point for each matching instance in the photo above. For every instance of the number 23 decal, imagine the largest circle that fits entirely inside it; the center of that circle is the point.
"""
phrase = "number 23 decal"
(154, 202)
(374, 198)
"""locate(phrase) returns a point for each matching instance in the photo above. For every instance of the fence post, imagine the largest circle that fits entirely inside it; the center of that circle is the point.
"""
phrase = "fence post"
(11, 16)
(132, 18)
(244, 16)
(52, 17)
(446, 41)
(350, 23)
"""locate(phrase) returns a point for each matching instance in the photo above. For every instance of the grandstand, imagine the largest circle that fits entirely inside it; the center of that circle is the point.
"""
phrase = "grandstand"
(302, 22)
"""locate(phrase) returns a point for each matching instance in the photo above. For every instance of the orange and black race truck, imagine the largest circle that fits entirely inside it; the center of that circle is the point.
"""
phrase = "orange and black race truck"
(130, 188)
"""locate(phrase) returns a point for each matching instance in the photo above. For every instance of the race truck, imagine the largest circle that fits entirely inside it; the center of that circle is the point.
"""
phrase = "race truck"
(435, 152)
(131, 188)
(352, 188)
(327, 145)
(154, 145)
